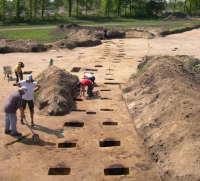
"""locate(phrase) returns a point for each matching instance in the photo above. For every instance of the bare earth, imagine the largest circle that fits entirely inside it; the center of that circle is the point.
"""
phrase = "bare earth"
(115, 61)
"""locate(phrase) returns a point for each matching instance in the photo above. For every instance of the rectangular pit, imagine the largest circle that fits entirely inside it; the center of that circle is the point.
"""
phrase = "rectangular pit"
(27, 72)
(109, 79)
(110, 123)
(116, 62)
(59, 171)
(109, 74)
(66, 145)
(75, 69)
(101, 58)
(98, 65)
(74, 124)
(109, 143)
(112, 83)
(79, 110)
(105, 90)
(116, 171)
(78, 99)
(90, 112)
(105, 98)
(91, 69)
(106, 109)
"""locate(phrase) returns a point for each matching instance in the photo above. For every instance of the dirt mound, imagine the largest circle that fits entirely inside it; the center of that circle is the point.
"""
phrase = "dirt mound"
(57, 91)
(8, 46)
(164, 101)
(174, 16)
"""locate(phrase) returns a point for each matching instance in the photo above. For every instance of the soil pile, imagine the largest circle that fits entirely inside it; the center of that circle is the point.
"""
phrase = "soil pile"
(8, 46)
(164, 102)
(57, 91)
(175, 16)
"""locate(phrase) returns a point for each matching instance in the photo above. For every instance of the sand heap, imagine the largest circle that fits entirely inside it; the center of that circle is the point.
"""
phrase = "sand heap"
(164, 101)
(57, 91)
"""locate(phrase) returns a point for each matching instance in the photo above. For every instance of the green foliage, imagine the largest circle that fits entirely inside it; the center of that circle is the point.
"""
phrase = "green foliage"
(143, 66)
(43, 77)
(35, 96)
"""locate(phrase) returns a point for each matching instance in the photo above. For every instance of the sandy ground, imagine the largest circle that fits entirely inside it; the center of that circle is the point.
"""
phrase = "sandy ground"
(22, 160)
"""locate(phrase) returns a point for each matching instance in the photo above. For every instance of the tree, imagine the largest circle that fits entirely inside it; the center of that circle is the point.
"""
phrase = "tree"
(18, 8)
(87, 4)
(35, 5)
(43, 4)
(154, 6)
(30, 8)
(3, 7)
(68, 5)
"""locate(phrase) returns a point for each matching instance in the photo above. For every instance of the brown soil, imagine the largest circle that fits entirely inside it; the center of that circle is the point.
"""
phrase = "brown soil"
(164, 104)
(78, 36)
(57, 92)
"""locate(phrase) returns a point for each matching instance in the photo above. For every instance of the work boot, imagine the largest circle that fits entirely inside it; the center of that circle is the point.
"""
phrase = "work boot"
(22, 122)
(8, 132)
(16, 134)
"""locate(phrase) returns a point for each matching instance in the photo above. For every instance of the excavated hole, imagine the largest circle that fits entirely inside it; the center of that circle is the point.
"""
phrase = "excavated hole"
(128, 58)
(90, 112)
(91, 69)
(109, 143)
(75, 69)
(122, 54)
(121, 51)
(81, 53)
(66, 145)
(110, 123)
(106, 109)
(106, 51)
(107, 45)
(101, 58)
(74, 124)
(27, 72)
(59, 171)
(117, 59)
(98, 65)
(119, 56)
(109, 79)
(78, 99)
(58, 56)
(109, 74)
(121, 43)
(116, 170)
(105, 90)
(116, 62)
(105, 98)
(79, 110)
(112, 83)
(99, 61)
(110, 69)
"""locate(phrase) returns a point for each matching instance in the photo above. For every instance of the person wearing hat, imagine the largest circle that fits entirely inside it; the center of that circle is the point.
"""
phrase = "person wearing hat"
(87, 83)
(10, 107)
(18, 71)
(28, 98)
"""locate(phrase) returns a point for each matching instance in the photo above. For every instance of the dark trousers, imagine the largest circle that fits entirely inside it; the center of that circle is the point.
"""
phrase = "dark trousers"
(21, 75)
(90, 89)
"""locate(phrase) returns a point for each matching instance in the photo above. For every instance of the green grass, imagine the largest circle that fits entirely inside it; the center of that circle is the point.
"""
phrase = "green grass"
(43, 36)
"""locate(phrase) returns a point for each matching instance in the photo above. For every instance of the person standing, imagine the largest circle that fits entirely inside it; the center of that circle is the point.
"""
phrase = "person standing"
(18, 71)
(10, 107)
(105, 33)
(87, 83)
(28, 98)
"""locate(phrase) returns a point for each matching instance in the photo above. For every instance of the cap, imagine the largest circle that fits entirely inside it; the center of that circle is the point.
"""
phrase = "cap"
(78, 84)
(29, 77)
(24, 89)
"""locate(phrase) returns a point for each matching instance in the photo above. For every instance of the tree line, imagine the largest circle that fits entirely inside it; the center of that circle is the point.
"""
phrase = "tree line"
(31, 9)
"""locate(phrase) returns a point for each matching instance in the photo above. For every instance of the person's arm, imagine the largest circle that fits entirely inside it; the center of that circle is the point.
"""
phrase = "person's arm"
(37, 87)
(22, 112)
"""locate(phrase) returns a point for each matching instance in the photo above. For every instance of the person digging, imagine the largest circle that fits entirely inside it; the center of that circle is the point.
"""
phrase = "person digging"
(10, 107)
(87, 83)
(28, 98)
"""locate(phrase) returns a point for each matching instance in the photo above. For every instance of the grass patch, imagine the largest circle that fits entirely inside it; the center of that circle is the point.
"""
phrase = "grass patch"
(144, 65)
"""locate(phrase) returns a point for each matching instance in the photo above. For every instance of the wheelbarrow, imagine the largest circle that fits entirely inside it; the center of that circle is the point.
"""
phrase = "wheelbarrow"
(35, 137)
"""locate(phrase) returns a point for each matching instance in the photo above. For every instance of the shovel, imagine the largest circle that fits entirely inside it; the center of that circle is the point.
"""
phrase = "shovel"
(35, 137)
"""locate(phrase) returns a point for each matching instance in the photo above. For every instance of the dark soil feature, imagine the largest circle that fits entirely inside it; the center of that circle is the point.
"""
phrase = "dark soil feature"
(164, 102)
(57, 92)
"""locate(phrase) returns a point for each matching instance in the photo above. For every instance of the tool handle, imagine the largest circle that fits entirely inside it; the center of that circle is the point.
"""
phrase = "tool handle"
(29, 126)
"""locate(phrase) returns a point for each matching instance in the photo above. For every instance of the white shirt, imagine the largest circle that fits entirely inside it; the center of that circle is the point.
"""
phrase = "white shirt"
(30, 87)
(88, 75)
